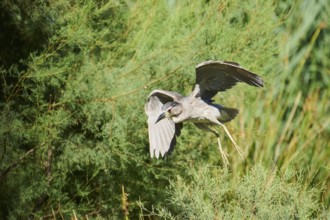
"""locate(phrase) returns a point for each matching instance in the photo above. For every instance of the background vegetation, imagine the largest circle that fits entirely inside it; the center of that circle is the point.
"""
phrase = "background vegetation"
(75, 76)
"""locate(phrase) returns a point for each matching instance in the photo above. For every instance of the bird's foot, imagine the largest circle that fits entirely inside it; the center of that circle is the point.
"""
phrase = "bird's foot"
(223, 154)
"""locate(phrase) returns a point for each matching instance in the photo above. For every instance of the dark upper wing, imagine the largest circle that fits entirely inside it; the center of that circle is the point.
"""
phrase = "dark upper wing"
(217, 76)
(165, 96)
(162, 135)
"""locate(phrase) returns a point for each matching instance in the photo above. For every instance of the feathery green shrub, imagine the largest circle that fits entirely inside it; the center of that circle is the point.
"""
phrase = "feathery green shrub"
(73, 131)
(210, 193)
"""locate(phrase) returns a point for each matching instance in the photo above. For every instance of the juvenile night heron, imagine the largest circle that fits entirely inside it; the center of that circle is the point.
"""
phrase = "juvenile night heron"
(168, 110)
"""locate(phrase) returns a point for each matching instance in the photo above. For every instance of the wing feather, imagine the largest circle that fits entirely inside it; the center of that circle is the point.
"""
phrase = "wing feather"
(217, 76)
(152, 139)
(165, 96)
(162, 135)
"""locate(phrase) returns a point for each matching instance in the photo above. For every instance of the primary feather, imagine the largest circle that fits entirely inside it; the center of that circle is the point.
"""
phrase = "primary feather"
(218, 76)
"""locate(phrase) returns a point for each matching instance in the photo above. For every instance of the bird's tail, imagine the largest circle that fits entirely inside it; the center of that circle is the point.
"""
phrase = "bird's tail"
(227, 114)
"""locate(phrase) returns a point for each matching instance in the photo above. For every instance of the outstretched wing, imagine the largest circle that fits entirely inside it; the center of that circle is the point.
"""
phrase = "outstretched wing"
(217, 76)
(162, 135)
(165, 96)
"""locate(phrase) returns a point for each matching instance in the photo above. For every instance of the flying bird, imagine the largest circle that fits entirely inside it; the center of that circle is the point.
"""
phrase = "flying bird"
(168, 110)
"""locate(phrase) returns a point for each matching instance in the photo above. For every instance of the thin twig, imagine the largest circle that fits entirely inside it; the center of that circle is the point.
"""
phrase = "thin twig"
(15, 164)
(137, 89)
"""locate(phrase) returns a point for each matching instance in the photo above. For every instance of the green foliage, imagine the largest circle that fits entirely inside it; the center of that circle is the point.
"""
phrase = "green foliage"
(73, 130)
(259, 194)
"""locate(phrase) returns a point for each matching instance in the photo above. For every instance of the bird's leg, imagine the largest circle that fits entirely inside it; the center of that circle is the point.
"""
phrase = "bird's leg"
(223, 153)
(232, 140)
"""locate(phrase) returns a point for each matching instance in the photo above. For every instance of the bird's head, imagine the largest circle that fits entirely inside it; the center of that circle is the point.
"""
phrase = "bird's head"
(170, 109)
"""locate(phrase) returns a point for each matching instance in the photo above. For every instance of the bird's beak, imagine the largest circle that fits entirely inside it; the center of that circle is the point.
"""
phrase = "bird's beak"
(162, 116)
